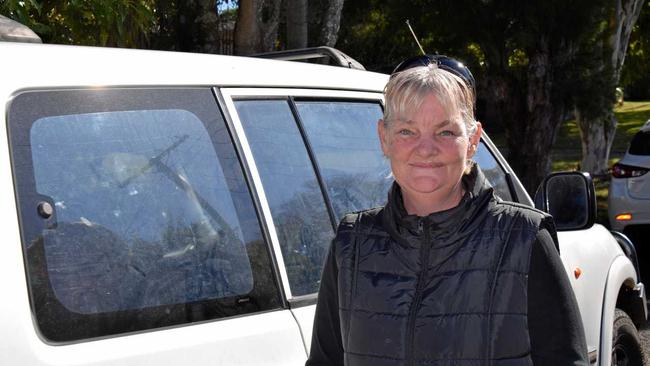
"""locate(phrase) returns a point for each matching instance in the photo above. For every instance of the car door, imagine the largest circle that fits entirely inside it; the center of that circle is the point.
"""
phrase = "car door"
(314, 156)
(140, 234)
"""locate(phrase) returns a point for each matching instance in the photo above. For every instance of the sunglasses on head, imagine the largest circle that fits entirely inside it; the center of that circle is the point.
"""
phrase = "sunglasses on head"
(443, 62)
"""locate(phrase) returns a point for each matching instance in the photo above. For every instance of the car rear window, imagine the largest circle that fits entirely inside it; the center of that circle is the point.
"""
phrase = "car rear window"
(135, 212)
(640, 144)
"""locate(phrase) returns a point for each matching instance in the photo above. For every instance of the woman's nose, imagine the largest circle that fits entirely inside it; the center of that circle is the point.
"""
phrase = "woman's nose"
(427, 146)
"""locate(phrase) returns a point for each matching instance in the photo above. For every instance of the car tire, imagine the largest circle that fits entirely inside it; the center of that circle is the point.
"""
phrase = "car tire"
(626, 346)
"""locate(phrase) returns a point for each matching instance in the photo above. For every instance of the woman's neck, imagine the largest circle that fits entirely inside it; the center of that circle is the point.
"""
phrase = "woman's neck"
(426, 204)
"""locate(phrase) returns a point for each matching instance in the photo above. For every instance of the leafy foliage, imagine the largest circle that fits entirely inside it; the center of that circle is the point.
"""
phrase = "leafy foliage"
(374, 32)
(635, 77)
(531, 59)
(124, 23)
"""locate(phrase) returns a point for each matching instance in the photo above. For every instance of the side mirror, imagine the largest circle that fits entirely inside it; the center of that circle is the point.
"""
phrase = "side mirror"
(570, 198)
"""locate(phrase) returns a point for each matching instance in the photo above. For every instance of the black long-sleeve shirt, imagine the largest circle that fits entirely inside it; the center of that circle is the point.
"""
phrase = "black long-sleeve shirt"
(554, 325)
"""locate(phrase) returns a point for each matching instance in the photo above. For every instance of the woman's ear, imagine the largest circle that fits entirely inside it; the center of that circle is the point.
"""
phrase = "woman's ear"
(383, 136)
(474, 140)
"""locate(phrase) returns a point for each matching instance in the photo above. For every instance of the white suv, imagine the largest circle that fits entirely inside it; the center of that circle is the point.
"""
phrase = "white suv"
(168, 208)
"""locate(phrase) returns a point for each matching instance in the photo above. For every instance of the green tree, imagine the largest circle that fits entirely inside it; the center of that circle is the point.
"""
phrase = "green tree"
(374, 32)
(635, 76)
(124, 23)
(604, 54)
(525, 55)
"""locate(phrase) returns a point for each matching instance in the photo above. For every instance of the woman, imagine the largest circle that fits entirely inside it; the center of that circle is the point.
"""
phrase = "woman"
(446, 273)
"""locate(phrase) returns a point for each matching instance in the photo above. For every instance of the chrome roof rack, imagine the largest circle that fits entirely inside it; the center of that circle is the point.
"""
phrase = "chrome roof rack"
(337, 57)
(12, 31)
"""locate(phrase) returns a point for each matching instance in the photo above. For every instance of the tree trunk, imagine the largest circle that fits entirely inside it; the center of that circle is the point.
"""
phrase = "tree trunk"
(597, 137)
(331, 23)
(529, 143)
(626, 15)
(246, 29)
(296, 24)
(257, 26)
(269, 16)
(597, 130)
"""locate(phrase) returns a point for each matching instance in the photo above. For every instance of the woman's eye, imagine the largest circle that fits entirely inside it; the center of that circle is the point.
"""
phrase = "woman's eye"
(447, 133)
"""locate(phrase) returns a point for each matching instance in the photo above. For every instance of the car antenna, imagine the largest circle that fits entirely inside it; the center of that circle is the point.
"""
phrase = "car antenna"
(415, 37)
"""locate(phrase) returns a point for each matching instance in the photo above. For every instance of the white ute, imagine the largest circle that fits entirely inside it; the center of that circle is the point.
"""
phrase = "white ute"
(167, 208)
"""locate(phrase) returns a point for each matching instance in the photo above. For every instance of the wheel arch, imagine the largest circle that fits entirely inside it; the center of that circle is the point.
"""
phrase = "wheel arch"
(631, 299)
(620, 290)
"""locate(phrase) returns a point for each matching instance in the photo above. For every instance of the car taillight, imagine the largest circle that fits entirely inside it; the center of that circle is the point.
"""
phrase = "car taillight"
(627, 171)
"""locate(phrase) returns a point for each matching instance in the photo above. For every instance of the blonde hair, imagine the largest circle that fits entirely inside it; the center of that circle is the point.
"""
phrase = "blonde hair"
(407, 89)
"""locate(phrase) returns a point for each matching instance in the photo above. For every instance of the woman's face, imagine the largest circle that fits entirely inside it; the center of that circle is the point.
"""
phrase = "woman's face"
(428, 151)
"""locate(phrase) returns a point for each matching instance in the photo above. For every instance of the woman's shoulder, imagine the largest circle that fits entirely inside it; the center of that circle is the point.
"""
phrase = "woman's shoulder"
(363, 218)
(521, 213)
(351, 227)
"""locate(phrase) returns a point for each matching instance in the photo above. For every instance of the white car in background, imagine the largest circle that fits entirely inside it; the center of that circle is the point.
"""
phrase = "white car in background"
(629, 190)
(164, 208)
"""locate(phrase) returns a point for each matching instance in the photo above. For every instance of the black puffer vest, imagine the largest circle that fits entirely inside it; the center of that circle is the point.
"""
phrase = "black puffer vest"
(446, 289)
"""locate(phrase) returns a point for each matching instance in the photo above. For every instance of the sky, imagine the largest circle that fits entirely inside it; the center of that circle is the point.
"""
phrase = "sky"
(225, 6)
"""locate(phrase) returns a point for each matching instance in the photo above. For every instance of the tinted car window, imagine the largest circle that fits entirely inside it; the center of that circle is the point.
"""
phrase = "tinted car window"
(640, 144)
(343, 136)
(493, 172)
(152, 222)
(299, 211)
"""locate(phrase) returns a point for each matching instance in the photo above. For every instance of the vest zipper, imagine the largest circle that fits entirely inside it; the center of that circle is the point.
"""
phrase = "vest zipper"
(424, 261)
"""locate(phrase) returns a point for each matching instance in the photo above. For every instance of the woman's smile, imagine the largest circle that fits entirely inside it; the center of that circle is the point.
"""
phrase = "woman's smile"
(426, 165)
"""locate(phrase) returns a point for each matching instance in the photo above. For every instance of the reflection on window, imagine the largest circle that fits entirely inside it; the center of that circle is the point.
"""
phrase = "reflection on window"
(145, 211)
(343, 136)
(294, 195)
(493, 172)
